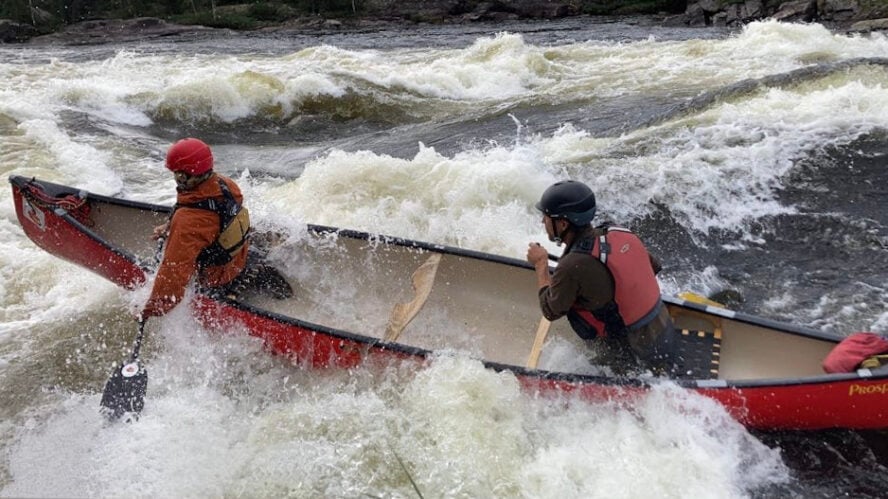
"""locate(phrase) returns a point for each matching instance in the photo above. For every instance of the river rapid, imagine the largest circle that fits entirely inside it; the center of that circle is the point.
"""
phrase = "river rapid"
(752, 161)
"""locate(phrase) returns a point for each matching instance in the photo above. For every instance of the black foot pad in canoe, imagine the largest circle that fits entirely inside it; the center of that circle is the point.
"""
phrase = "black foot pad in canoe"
(700, 353)
(262, 279)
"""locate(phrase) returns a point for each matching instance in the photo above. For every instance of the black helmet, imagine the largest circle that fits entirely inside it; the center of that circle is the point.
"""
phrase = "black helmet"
(569, 199)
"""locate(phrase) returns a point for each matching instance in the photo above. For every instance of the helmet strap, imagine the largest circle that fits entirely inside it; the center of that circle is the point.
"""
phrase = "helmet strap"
(559, 235)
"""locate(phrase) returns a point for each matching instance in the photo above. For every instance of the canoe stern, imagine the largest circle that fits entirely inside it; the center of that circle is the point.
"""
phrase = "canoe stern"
(60, 227)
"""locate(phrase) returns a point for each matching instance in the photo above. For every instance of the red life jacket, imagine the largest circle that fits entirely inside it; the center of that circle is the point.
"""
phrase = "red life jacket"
(636, 291)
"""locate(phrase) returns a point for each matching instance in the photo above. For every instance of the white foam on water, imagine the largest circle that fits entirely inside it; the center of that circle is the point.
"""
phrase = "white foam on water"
(135, 88)
(80, 164)
(37, 287)
(242, 422)
(477, 199)
(722, 168)
(864, 308)
(492, 71)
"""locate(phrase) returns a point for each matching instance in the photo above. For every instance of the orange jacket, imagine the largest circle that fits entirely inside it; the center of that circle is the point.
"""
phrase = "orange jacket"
(191, 230)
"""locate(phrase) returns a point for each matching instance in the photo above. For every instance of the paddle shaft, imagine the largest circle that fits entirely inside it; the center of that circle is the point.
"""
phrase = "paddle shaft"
(542, 331)
(158, 256)
(138, 343)
(534, 358)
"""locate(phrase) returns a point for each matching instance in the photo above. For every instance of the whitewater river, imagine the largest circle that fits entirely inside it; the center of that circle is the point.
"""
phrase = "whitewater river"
(753, 161)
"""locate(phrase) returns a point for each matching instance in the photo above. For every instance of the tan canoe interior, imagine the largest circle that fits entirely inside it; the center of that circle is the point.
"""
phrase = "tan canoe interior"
(487, 309)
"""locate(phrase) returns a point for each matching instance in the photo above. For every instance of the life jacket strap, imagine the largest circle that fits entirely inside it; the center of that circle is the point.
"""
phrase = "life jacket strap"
(647, 319)
(604, 248)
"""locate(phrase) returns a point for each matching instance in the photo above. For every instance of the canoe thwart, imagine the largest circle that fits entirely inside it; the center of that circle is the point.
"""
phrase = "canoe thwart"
(402, 313)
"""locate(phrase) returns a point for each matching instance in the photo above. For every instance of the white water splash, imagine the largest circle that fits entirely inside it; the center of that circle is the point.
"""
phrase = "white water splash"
(350, 435)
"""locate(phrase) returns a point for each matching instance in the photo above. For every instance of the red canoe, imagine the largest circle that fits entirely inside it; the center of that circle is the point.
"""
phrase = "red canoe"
(410, 299)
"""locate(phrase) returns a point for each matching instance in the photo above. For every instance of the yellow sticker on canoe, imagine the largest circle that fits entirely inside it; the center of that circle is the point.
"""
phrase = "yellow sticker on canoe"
(881, 389)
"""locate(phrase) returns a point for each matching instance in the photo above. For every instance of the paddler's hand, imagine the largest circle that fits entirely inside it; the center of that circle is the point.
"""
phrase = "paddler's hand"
(537, 255)
(160, 231)
(539, 258)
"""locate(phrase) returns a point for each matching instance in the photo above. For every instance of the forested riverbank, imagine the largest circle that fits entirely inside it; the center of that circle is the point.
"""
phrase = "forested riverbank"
(98, 21)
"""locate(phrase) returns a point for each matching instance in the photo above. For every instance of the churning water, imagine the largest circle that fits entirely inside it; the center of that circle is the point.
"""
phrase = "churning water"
(753, 161)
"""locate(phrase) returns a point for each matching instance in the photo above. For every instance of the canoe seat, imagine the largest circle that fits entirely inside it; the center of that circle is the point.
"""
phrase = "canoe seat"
(699, 352)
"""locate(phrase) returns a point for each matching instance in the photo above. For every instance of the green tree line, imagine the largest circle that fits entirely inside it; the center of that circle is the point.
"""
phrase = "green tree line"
(222, 13)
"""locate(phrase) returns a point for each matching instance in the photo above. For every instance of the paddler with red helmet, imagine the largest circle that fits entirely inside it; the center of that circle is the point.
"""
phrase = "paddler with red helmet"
(207, 234)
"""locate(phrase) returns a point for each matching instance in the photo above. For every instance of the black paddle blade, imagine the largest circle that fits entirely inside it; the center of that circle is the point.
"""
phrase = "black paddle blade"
(125, 391)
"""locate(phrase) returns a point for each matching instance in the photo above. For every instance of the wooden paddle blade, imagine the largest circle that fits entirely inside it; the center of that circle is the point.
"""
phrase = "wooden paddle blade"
(125, 391)
(402, 313)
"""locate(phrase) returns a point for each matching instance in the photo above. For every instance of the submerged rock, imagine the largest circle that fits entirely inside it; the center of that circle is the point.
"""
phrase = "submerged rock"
(11, 32)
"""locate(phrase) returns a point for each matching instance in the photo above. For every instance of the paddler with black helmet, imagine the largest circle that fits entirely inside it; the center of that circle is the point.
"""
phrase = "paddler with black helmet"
(605, 283)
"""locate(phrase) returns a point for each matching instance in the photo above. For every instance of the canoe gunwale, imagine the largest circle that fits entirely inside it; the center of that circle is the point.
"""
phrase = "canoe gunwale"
(754, 320)
(861, 374)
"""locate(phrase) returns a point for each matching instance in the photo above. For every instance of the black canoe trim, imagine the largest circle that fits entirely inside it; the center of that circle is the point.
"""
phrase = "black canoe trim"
(373, 342)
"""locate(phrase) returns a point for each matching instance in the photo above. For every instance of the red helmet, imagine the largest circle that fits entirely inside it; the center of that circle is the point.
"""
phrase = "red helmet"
(191, 156)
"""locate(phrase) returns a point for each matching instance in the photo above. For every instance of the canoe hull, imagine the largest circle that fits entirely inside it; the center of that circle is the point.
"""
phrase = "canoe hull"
(810, 402)
(800, 404)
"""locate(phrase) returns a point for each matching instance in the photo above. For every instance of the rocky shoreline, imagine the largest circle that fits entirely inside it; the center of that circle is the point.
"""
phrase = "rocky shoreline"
(858, 16)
